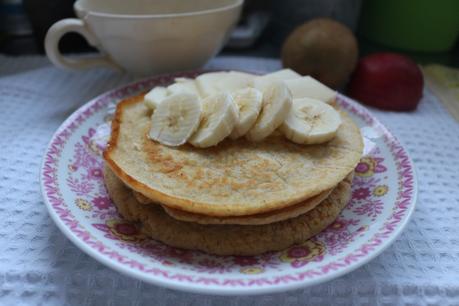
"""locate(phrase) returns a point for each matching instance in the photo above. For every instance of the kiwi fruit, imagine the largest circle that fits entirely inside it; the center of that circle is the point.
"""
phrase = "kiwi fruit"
(323, 48)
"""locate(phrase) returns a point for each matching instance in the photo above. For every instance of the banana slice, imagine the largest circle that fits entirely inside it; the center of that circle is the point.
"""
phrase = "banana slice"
(311, 121)
(248, 101)
(175, 119)
(183, 85)
(235, 80)
(263, 82)
(206, 83)
(154, 97)
(215, 82)
(308, 87)
(219, 116)
(277, 101)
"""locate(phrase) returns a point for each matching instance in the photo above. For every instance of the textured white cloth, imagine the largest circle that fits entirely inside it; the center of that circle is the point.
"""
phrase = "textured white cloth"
(39, 266)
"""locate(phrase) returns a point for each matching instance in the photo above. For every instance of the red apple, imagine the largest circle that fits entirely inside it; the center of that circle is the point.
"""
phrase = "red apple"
(388, 81)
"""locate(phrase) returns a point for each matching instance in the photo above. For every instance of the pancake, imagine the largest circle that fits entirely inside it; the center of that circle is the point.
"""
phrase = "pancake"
(235, 178)
(261, 218)
(227, 239)
(141, 198)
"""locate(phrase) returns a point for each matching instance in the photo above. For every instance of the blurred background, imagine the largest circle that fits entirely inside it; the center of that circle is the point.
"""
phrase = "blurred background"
(425, 30)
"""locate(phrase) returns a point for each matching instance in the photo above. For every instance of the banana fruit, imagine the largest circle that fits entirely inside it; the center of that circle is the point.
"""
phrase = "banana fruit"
(183, 85)
(214, 82)
(175, 119)
(206, 83)
(263, 82)
(277, 101)
(219, 116)
(154, 97)
(308, 87)
(236, 80)
(206, 110)
(248, 101)
(311, 121)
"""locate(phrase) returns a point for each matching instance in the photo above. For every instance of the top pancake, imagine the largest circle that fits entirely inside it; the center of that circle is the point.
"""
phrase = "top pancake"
(234, 178)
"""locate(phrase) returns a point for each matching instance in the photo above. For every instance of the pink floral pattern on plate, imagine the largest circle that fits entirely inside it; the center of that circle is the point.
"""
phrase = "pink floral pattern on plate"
(383, 197)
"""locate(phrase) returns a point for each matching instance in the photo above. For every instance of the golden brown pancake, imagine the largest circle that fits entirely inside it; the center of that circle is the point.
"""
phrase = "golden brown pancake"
(235, 178)
(261, 218)
(227, 239)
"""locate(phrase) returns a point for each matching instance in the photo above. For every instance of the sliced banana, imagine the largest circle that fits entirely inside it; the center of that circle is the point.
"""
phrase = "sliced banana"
(235, 80)
(206, 83)
(277, 101)
(308, 87)
(215, 82)
(183, 85)
(311, 121)
(263, 82)
(219, 116)
(248, 101)
(175, 119)
(154, 97)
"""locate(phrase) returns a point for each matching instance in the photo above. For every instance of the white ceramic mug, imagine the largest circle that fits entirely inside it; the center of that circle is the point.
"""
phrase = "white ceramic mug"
(147, 36)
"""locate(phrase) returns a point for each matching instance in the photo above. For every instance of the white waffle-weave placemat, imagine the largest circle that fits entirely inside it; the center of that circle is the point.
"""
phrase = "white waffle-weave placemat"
(39, 266)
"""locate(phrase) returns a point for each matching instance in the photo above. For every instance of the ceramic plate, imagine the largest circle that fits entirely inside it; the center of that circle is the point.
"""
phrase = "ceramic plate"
(383, 198)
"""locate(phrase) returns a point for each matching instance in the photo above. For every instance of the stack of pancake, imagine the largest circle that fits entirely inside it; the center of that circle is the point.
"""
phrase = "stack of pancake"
(237, 198)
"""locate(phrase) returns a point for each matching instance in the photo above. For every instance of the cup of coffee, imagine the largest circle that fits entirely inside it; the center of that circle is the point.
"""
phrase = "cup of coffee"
(146, 36)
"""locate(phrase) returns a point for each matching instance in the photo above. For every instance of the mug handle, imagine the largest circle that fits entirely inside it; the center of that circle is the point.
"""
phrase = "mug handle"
(55, 33)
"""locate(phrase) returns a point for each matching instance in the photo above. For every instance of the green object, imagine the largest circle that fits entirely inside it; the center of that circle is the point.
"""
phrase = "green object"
(416, 25)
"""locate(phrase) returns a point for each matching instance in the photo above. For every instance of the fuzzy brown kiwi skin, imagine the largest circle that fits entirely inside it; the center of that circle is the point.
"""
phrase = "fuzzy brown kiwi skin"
(323, 48)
